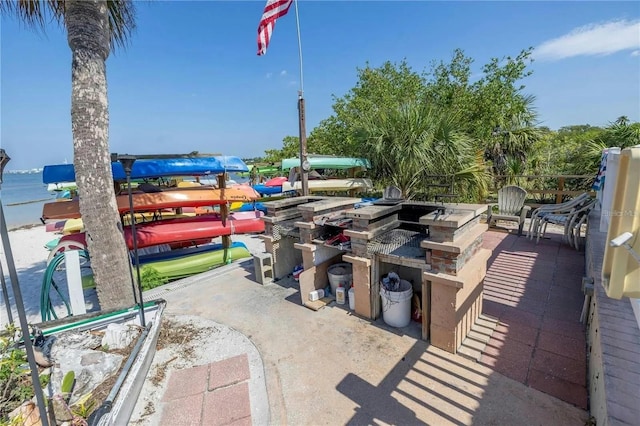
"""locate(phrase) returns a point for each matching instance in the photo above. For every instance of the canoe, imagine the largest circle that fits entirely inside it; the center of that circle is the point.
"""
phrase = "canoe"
(63, 186)
(72, 225)
(327, 162)
(267, 190)
(57, 226)
(332, 185)
(166, 199)
(187, 251)
(276, 181)
(260, 171)
(185, 229)
(248, 207)
(147, 168)
(194, 262)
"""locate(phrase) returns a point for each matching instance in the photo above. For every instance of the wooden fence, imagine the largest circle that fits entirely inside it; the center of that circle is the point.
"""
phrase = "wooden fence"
(540, 186)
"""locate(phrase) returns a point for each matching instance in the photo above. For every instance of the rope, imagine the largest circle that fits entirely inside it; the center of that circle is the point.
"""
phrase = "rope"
(47, 311)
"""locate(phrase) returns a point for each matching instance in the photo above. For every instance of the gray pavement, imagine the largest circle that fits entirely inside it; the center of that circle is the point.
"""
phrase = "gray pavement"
(332, 367)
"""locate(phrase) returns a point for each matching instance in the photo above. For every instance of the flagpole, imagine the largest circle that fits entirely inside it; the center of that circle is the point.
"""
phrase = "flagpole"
(304, 176)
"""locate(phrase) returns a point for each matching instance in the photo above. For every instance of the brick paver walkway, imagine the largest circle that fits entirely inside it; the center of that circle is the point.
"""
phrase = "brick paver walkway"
(213, 394)
(534, 290)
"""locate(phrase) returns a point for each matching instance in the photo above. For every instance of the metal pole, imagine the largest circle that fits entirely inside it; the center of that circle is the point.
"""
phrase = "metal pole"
(17, 295)
(5, 295)
(127, 164)
(304, 176)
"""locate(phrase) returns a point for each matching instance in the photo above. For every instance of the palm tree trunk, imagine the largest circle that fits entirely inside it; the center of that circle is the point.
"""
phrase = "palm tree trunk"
(89, 39)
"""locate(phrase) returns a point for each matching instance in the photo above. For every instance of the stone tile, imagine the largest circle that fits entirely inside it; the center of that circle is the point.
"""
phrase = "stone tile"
(492, 308)
(536, 307)
(497, 298)
(228, 371)
(226, 405)
(518, 332)
(512, 369)
(573, 328)
(562, 389)
(563, 313)
(542, 285)
(534, 294)
(185, 382)
(560, 366)
(245, 421)
(511, 316)
(568, 280)
(563, 345)
(541, 275)
(183, 412)
(509, 349)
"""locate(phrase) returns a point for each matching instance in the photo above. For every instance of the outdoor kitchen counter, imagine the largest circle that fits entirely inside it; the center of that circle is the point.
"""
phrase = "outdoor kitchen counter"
(455, 215)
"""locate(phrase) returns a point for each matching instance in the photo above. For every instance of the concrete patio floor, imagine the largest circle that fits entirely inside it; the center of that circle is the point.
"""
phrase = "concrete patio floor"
(332, 367)
(535, 293)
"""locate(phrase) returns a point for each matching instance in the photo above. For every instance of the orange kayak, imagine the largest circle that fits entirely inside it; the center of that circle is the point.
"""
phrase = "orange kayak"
(165, 199)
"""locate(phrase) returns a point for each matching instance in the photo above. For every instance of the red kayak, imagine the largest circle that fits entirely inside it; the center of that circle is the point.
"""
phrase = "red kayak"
(276, 181)
(185, 229)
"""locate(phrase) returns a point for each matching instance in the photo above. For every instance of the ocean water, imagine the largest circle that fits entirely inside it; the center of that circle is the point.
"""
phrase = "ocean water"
(23, 196)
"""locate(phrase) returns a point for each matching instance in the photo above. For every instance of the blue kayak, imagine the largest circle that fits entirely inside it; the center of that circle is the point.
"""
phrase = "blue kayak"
(267, 190)
(145, 168)
(249, 207)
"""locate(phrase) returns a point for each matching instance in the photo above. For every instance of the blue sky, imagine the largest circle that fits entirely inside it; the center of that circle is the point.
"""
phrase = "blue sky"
(190, 78)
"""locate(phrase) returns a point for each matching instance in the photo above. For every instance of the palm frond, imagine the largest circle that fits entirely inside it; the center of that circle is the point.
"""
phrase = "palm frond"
(34, 13)
(37, 13)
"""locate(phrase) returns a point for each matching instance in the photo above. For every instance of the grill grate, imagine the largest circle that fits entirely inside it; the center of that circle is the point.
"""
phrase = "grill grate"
(285, 228)
(399, 242)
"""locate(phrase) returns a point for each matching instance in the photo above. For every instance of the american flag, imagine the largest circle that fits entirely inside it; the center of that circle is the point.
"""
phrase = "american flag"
(272, 11)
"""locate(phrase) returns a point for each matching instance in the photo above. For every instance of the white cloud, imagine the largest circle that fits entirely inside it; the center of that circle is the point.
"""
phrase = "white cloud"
(283, 73)
(592, 39)
(269, 74)
(293, 83)
(635, 53)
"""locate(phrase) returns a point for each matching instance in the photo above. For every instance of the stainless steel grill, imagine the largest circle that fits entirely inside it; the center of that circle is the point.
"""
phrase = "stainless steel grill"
(398, 242)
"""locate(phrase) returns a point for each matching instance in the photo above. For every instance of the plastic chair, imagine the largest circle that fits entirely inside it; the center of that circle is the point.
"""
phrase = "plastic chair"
(575, 229)
(510, 206)
(542, 211)
(568, 219)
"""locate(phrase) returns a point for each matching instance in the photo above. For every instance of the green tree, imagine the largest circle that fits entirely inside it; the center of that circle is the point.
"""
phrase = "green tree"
(407, 143)
(494, 110)
(586, 157)
(386, 87)
(493, 101)
(92, 27)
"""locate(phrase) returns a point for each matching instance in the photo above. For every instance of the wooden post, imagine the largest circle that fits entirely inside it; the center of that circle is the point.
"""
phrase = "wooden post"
(224, 215)
(560, 189)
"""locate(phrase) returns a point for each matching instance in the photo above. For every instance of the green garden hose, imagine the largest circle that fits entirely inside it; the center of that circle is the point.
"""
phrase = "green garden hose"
(47, 312)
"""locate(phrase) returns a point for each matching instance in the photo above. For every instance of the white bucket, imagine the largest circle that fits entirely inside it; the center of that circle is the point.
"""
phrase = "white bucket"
(352, 299)
(396, 305)
(340, 273)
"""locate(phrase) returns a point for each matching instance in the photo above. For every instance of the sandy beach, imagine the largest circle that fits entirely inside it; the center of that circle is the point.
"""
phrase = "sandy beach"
(30, 258)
